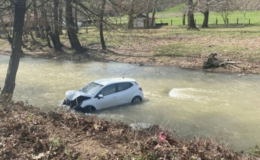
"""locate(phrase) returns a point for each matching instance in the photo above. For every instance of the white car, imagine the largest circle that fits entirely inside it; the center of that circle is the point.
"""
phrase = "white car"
(104, 93)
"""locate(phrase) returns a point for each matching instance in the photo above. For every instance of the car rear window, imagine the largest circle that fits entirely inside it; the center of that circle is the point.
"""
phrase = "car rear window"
(124, 86)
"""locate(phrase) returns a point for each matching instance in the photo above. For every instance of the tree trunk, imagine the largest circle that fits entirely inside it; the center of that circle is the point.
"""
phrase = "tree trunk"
(42, 22)
(74, 41)
(183, 19)
(76, 19)
(191, 21)
(60, 17)
(41, 27)
(48, 39)
(212, 62)
(206, 19)
(153, 15)
(154, 11)
(47, 27)
(36, 21)
(31, 34)
(147, 18)
(56, 35)
(131, 19)
(19, 12)
(101, 25)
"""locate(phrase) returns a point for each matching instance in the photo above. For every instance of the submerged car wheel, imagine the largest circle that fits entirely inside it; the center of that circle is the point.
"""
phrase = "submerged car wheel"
(136, 99)
(89, 109)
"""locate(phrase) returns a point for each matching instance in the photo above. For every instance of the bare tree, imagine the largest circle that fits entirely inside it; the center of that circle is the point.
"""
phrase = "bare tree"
(131, 14)
(225, 7)
(60, 16)
(35, 15)
(154, 11)
(245, 6)
(19, 13)
(70, 24)
(191, 21)
(56, 35)
(101, 25)
(45, 24)
(204, 6)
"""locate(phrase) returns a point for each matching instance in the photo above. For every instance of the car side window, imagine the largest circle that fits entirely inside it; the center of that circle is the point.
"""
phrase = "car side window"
(110, 89)
(124, 86)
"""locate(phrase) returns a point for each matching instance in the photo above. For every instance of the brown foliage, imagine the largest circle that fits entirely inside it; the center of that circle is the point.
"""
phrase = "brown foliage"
(28, 132)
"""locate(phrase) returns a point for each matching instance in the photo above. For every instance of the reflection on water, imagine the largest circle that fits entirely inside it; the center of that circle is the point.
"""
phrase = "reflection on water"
(189, 102)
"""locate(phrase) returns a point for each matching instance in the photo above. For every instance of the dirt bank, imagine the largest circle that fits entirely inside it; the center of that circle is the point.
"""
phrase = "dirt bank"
(241, 66)
(30, 133)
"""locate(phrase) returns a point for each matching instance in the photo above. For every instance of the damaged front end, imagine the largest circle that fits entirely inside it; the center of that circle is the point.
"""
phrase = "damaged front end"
(75, 103)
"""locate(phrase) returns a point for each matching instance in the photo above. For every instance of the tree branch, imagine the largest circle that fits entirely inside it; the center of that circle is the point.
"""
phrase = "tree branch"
(8, 7)
(28, 6)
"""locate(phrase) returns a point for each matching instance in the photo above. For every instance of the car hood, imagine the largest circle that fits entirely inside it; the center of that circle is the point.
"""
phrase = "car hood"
(73, 94)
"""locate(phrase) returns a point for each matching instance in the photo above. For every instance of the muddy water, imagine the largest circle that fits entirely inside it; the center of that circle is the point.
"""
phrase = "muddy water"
(190, 102)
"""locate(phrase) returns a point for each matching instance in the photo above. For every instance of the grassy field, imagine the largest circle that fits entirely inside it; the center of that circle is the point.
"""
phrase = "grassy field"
(234, 41)
(176, 18)
(169, 41)
(174, 15)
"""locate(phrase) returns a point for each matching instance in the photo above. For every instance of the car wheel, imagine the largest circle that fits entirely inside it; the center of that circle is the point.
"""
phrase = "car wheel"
(77, 108)
(89, 109)
(136, 99)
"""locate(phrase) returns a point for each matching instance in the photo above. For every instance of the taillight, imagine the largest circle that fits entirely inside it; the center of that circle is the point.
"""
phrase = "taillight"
(140, 88)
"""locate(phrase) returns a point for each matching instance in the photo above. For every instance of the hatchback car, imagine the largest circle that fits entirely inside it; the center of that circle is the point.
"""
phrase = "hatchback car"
(104, 93)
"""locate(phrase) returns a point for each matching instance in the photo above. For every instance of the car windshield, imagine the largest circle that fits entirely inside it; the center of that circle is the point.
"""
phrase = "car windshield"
(91, 88)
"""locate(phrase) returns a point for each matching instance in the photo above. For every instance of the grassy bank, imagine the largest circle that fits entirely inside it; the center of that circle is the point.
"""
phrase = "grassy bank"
(30, 133)
(235, 42)
(168, 45)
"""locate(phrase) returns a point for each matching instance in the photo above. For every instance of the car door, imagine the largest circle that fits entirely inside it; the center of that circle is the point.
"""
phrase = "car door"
(109, 98)
(124, 93)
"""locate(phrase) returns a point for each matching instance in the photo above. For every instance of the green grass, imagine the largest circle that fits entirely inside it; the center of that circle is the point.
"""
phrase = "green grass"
(177, 8)
(175, 15)
(194, 50)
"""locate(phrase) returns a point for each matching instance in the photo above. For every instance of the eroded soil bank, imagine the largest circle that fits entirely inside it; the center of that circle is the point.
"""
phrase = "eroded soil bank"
(30, 133)
(240, 66)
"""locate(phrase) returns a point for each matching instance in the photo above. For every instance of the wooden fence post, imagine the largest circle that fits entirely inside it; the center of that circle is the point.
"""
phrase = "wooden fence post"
(237, 20)
(216, 21)
(227, 20)
(249, 21)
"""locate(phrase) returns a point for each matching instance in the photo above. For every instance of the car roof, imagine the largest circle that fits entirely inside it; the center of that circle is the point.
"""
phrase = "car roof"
(113, 80)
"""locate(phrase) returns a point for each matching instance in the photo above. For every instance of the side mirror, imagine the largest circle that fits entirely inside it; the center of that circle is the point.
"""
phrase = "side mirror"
(100, 96)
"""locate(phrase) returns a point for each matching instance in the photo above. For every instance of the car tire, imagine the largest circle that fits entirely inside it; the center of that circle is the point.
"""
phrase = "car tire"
(136, 99)
(77, 108)
(89, 109)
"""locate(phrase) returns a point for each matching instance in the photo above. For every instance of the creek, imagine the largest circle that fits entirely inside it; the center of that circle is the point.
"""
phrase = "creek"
(192, 103)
